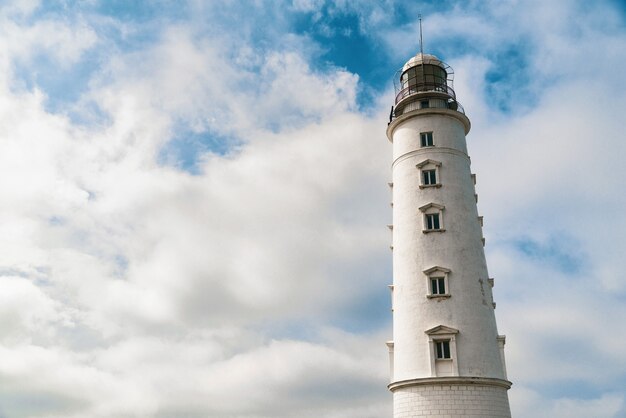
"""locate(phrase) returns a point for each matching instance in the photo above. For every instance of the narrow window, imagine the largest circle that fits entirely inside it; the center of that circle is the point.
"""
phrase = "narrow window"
(433, 217)
(438, 285)
(443, 349)
(426, 139)
(430, 177)
(424, 104)
(432, 221)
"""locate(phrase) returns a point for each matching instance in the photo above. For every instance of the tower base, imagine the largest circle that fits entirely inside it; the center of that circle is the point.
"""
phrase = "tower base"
(451, 397)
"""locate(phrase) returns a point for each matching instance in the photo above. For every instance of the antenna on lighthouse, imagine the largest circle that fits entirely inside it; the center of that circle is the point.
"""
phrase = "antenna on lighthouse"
(422, 49)
(421, 39)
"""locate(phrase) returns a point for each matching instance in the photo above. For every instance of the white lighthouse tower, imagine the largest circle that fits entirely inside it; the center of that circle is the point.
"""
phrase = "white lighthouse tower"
(446, 356)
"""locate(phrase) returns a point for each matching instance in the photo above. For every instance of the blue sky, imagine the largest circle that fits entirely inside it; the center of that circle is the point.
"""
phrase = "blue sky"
(196, 200)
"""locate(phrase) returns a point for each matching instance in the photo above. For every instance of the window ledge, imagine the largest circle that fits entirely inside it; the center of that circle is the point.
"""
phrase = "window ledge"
(425, 186)
(443, 359)
(444, 296)
(426, 231)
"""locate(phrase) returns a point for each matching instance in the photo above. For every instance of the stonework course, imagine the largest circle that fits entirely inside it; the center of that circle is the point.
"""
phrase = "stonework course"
(449, 401)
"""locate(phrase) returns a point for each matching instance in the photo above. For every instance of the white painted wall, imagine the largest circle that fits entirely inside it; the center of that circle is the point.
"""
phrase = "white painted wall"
(468, 313)
(459, 249)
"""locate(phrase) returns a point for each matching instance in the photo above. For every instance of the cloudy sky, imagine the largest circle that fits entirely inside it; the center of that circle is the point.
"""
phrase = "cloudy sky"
(194, 200)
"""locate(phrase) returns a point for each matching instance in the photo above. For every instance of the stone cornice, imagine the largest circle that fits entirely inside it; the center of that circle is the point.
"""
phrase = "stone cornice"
(431, 110)
(428, 161)
(429, 151)
(452, 380)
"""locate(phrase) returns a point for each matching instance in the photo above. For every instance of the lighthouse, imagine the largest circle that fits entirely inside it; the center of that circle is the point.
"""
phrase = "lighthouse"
(446, 356)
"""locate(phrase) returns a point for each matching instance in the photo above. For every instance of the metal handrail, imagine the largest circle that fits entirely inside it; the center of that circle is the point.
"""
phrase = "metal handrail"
(452, 105)
(424, 87)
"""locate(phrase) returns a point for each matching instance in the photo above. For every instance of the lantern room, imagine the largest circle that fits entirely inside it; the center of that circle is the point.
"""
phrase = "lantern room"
(424, 82)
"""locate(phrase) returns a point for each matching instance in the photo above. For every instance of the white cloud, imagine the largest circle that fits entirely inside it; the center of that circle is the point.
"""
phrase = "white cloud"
(161, 293)
(54, 42)
(307, 5)
(20, 7)
(137, 257)
(529, 403)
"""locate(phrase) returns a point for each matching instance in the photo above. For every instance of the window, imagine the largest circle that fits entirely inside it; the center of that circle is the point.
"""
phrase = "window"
(426, 139)
(437, 279)
(424, 104)
(443, 355)
(429, 177)
(433, 218)
(432, 221)
(437, 286)
(442, 349)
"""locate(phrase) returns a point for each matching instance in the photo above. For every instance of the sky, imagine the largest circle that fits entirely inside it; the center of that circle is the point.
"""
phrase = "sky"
(194, 201)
